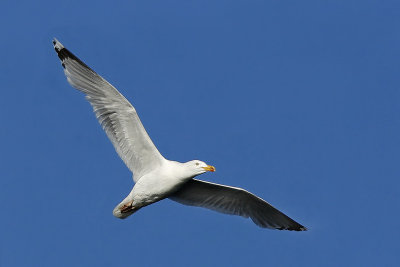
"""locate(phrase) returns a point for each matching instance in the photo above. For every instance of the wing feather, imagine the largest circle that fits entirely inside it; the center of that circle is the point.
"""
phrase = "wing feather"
(234, 201)
(116, 115)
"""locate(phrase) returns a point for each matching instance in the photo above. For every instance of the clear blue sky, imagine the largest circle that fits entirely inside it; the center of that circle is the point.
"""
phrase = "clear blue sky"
(296, 101)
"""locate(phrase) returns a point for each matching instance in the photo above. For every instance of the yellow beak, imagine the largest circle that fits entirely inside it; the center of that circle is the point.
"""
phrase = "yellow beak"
(209, 168)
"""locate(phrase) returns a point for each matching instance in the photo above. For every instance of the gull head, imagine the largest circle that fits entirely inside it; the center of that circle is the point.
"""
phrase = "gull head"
(197, 167)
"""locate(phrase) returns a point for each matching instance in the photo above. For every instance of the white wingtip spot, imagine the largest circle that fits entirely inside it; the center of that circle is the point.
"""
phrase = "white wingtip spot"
(57, 45)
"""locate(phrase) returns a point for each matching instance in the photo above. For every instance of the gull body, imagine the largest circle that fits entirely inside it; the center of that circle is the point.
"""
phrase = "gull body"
(159, 184)
(155, 177)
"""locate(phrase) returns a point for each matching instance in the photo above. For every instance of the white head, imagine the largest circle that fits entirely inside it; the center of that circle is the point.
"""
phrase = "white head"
(197, 167)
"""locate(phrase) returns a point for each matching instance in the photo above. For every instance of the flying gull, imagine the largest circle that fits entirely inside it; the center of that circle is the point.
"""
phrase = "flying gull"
(155, 177)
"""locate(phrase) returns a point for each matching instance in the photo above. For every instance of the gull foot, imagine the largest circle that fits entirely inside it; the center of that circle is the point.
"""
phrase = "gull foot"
(126, 208)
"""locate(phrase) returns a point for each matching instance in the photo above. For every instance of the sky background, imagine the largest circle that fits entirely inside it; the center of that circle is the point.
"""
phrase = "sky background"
(295, 101)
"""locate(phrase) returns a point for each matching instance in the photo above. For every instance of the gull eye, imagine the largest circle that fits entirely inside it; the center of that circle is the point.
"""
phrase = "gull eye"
(197, 164)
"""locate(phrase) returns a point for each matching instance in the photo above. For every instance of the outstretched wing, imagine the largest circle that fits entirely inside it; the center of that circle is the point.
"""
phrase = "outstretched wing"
(235, 201)
(115, 114)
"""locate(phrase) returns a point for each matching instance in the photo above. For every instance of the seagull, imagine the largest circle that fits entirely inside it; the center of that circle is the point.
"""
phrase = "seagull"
(155, 177)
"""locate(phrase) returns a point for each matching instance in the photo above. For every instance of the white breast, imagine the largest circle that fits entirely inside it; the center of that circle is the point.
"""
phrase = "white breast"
(158, 184)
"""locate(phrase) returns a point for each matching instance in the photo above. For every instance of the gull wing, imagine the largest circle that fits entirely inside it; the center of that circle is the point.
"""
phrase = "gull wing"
(235, 201)
(115, 114)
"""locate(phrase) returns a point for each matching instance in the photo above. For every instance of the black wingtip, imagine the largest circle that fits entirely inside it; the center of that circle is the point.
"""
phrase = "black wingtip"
(299, 228)
(57, 45)
(60, 50)
(65, 54)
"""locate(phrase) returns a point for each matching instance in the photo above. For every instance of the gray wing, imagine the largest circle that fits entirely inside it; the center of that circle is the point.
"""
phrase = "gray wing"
(115, 114)
(235, 201)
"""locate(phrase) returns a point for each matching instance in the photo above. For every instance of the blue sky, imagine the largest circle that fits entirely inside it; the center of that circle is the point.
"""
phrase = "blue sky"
(296, 101)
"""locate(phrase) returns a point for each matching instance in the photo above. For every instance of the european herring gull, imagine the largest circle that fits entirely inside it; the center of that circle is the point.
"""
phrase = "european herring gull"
(155, 177)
